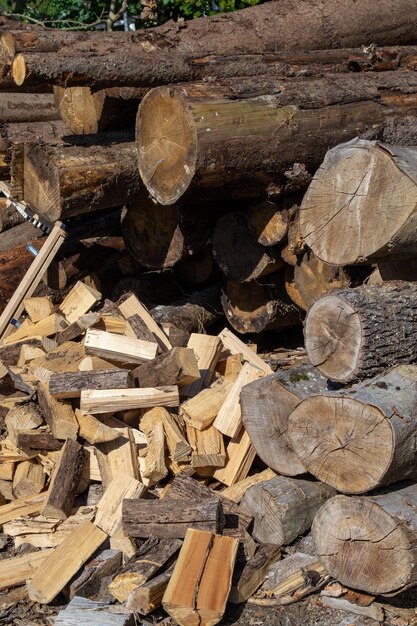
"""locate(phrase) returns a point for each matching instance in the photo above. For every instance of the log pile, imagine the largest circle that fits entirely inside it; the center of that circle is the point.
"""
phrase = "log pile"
(215, 181)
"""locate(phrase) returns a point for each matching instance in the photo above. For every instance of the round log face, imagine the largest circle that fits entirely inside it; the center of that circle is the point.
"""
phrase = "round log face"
(333, 338)
(18, 69)
(361, 545)
(167, 144)
(343, 442)
(357, 202)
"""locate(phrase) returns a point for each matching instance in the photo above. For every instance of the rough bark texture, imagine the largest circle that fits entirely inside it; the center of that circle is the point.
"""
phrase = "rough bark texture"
(378, 529)
(357, 333)
(9, 217)
(259, 305)
(284, 508)
(197, 311)
(266, 407)
(70, 384)
(25, 107)
(64, 481)
(362, 203)
(64, 181)
(281, 122)
(362, 438)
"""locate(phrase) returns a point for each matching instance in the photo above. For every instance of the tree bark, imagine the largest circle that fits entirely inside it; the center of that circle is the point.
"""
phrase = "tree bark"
(361, 204)
(284, 508)
(87, 112)
(362, 438)
(231, 236)
(63, 181)
(357, 333)
(199, 310)
(310, 278)
(266, 407)
(378, 529)
(187, 138)
(25, 107)
(9, 217)
(259, 305)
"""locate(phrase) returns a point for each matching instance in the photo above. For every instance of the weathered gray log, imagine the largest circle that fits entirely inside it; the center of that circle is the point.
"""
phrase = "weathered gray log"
(176, 367)
(361, 438)
(70, 384)
(267, 404)
(64, 481)
(156, 518)
(361, 204)
(284, 508)
(352, 534)
(90, 613)
(357, 333)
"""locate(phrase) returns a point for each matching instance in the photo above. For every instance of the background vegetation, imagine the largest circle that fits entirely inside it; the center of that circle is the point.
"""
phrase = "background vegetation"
(75, 14)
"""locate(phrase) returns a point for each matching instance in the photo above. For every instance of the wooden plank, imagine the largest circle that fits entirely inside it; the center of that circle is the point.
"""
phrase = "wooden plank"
(236, 346)
(15, 570)
(229, 417)
(200, 584)
(118, 347)
(70, 384)
(32, 278)
(207, 350)
(79, 301)
(112, 400)
(132, 306)
(109, 509)
(64, 481)
(64, 562)
(170, 518)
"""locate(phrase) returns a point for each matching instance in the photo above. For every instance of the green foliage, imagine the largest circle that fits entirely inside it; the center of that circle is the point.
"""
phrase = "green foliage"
(79, 13)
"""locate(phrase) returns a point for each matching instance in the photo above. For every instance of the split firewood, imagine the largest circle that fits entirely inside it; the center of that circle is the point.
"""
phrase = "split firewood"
(153, 468)
(160, 518)
(153, 555)
(178, 366)
(36, 440)
(284, 508)
(207, 351)
(248, 576)
(58, 415)
(117, 348)
(94, 577)
(64, 481)
(22, 417)
(38, 308)
(236, 346)
(15, 570)
(78, 302)
(291, 579)
(362, 438)
(117, 456)
(28, 479)
(94, 431)
(149, 595)
(132, 306)
(65, 561)
(356, 333)
(109, 509)
(190, 596)
(111, 400)
(266, 406)
(44, 328)
(230, 367)
(27, 354)
(240, 456)
(20, 507)
(178, 446)
(381, 522)
(208, 448)
(10, 353)
(202, 410)
(71, 384)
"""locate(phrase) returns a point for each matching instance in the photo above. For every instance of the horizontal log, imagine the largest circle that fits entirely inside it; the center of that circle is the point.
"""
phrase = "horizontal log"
(25, 107)
(153, 518)
(111, 400)
(70, 384)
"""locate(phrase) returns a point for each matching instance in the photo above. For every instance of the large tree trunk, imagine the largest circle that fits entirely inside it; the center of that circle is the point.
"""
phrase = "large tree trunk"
(362, 438)
(283, 508)
(88, 112)
(370, 543)
(159, 236)
(266, 407)
(362, 203)
(62, 181)
(357, 333)
(187, 137)
(259, 305)
(25, 107)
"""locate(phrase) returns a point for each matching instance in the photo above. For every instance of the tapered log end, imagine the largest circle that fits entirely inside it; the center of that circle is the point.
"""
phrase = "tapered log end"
(359, 199)
(343, 442)
(362, 546)
(167, 144)
(18, 69)
(333, 338)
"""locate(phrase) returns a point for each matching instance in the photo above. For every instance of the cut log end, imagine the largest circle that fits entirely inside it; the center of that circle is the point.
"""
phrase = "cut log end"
(7, 45)
(167, 144)
(343, 442)
(333, 338)
(18, 69)
(341, 216)
(76, 106)
(367, 547)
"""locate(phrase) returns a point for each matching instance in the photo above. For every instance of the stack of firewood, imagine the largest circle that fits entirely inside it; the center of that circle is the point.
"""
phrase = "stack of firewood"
(145, 463)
